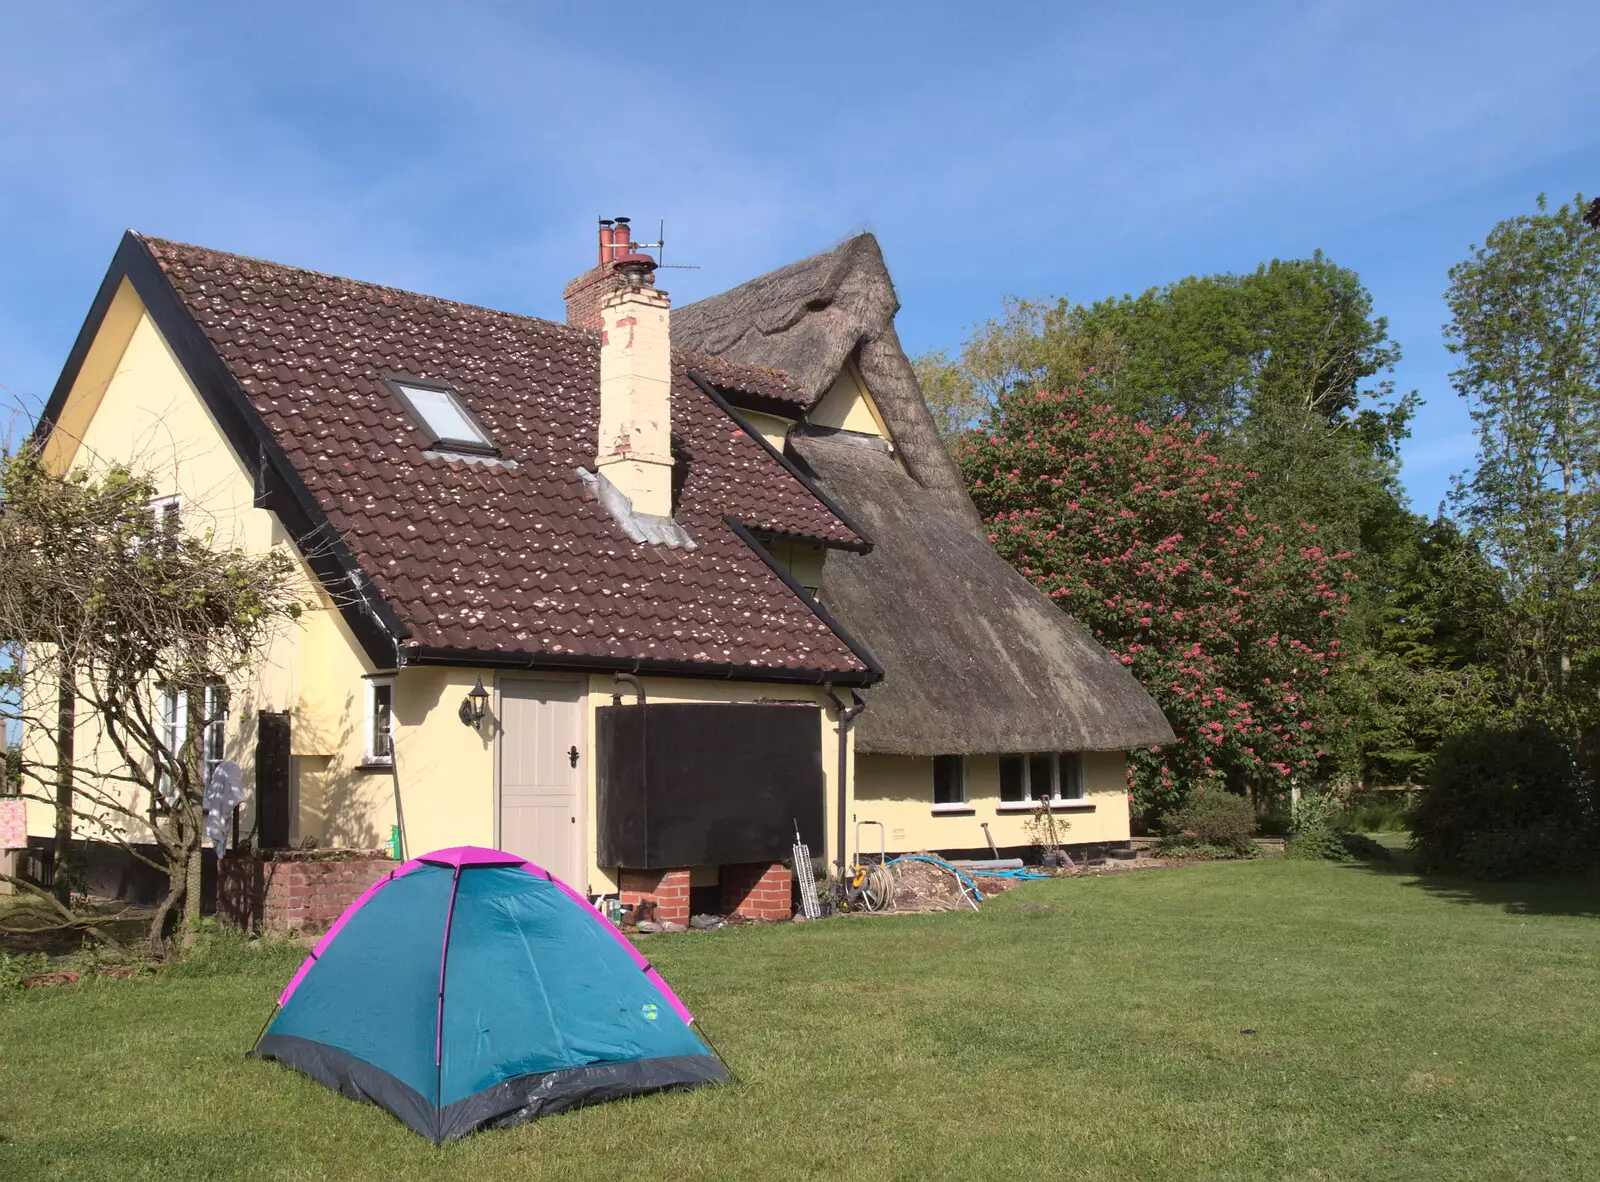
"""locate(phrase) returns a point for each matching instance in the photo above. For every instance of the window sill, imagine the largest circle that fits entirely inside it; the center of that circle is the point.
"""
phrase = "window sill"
(375, 765)
(954, 808)
(1056, 806)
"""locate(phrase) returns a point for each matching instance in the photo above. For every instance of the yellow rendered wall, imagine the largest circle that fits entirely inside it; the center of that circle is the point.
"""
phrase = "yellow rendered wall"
(446, 769)
(134, 405)
(773, 429)
(848, 407)
(802, 561)
(898, 791)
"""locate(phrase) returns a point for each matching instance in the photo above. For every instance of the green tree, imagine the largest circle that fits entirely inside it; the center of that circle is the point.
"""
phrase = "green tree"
(1525, 323)
(1146, 536)
(1286, 367)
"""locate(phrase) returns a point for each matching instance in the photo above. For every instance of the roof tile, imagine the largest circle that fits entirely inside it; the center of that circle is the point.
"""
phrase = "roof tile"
(511, 557)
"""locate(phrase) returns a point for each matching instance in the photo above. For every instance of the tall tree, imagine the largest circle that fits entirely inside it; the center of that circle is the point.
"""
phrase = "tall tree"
(1525, 324)
(1146, 536)
(1287, 367)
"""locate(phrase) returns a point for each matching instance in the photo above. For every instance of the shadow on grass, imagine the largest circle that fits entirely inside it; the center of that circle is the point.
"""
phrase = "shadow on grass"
(1564, 896)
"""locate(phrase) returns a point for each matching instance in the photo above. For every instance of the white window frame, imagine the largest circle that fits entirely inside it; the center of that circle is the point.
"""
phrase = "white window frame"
(173, 720)
(963, 805)
(1056, 800)
(372, 755)
(213, 729)
(160, 509)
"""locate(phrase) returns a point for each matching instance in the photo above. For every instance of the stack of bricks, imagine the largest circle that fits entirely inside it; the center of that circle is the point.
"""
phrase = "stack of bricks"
(291, 890)
(667, 889)
(757, 890)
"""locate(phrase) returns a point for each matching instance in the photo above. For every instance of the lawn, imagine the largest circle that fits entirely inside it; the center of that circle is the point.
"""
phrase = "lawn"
(1268, 1019)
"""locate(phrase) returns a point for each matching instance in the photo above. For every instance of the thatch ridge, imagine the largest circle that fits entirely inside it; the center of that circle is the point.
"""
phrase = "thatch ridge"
(977, 660)
(808, 319)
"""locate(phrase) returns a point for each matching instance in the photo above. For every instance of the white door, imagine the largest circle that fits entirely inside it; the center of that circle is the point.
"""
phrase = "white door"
(542, 773)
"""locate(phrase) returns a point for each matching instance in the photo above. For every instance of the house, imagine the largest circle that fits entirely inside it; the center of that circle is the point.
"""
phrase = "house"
(991, 698)
(564, 578)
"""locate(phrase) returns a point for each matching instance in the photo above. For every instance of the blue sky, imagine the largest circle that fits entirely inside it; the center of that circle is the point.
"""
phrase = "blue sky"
(1088, 150)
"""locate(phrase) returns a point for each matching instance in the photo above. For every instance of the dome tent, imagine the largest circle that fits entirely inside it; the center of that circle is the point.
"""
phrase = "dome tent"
(468, 988)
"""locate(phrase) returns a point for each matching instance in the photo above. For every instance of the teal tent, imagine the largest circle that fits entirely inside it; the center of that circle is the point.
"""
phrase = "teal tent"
(470, 989)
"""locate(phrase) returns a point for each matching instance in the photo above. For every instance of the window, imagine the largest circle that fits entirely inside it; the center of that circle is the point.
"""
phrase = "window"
(166, 514)
(172, 719)
(380, 720)
(441, 414)
(949, 781)
(1056, 776)
(214, 735)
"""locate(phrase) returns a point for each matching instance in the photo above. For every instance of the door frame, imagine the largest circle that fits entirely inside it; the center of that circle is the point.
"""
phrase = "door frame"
(581, 686)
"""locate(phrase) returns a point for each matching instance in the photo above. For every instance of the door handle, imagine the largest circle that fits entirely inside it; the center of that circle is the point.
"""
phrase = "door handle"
(573, 756)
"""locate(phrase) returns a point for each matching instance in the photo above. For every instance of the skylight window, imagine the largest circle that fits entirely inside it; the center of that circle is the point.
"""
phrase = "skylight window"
(436, 407)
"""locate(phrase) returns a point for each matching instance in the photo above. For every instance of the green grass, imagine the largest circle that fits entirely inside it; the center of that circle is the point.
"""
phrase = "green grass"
(1401, 1030)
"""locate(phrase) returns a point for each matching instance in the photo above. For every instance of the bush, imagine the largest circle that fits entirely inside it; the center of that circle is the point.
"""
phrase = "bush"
(1374, 812)
(1508, 803)
(1316, 838)
(1211, 823)
(1326, 844)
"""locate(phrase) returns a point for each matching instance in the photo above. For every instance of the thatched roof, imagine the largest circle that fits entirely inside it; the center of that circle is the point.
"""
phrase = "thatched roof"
(808, 319)
(976, 659)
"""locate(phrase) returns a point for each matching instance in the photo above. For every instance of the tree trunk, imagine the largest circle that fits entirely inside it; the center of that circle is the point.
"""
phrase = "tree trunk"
(193, 824)
(177, 880)
(192, 893)
(66, 724)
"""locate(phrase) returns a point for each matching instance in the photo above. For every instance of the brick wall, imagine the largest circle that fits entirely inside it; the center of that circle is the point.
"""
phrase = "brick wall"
(757, 890)
(291, 890)
(584, 294)
(667, 889)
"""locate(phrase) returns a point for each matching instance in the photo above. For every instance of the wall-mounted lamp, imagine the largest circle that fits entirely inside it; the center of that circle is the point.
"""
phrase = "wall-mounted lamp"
(475, 706)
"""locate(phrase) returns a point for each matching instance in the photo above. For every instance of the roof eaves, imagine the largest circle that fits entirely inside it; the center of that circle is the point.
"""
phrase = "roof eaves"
(661, 667)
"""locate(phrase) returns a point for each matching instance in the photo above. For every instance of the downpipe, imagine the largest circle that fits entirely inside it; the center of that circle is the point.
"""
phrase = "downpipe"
(847, 716)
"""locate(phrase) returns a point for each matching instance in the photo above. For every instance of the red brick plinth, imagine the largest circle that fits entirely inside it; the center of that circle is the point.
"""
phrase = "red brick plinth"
(667, 889)
(294, 890)
(756, 890)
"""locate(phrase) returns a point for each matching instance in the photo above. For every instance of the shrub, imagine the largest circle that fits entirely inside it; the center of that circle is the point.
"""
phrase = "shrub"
(1507, 803)
(14, 967)
(1317, 839)
(1374, 812)
(1211, 823)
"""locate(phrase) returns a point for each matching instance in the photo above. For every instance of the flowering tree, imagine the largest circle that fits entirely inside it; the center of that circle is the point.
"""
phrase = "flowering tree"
(1145, 537)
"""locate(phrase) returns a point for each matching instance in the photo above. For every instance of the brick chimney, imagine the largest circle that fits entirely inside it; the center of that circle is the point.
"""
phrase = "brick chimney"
(585, 293)
(635, 444)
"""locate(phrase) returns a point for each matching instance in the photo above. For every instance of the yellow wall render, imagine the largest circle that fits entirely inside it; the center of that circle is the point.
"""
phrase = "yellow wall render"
(898, 791)
(133, 404)
(772, 428)
(848, 406)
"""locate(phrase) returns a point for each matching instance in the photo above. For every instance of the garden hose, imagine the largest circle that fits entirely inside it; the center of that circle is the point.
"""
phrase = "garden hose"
(872, 887)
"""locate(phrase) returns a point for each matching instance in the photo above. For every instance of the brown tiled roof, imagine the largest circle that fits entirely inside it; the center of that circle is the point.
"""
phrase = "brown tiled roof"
(761, 387)
(510, 557)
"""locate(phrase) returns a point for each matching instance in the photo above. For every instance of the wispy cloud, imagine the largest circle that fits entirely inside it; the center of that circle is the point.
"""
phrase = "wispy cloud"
(464, 149)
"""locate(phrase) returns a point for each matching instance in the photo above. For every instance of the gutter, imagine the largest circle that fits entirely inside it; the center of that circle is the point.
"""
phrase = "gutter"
(649, 666)
(847, 716)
